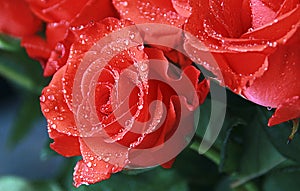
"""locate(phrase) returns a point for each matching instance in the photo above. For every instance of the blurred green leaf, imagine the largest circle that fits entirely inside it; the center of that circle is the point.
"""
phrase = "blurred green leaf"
(28, 112)
(47, 152)
(136, 171)
(231, 151)
(9, 43)
(45, 186)
(278, 135)
(259, 156)
(158, 179)
(199, 172)
(21, 70)
(11, 72)
(11, 183)
(282, 181)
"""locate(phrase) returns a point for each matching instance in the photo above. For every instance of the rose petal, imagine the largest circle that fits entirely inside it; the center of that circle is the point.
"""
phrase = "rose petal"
(55, 10)
(287, 6)
(289, 110)
(95, 10)
(54, 107)
(261, 14)
(151, 11)
(230, 20)
(36, 48)
(56, 32)
(96, 167)
(63, 144)
(279, 27)
(274, 5)
(86, 37)
(16, 19)
(182, 7)
(279, 82)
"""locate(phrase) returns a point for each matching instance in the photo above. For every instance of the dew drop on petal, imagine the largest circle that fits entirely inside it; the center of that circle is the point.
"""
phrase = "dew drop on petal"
(42, 98)
(89, 164)
(51, 97)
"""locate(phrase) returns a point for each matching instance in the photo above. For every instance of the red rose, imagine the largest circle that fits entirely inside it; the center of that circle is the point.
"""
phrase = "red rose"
(255, 44)
(169, 12)
(59, 16)
(106, 116)
(16, 19)
(172, 12)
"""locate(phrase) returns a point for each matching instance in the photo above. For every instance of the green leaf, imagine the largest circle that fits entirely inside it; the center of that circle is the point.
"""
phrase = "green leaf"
(45, 186)
(136, 171)
(158, 180)
(231, 151)
(259, 155)
(9, 43)
(282, 181)
(278, 135)
(11, 183)
(26, 73)
(28, 112)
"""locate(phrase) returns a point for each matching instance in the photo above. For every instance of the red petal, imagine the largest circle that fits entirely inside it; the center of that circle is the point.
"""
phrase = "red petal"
(95, 10)
(287, 111)
(168, 164)
(279, 27)
(56, 10)
(56, 32)
(94, 168)
(287, 6)
(182, 7)
(54, 107)
(229, 19)
(274, 5)
(85, 39)
(279, 82)
(261, 14)
(152, 11)
(16, 19)
(36, 47)
(75, 12)
(63, 144)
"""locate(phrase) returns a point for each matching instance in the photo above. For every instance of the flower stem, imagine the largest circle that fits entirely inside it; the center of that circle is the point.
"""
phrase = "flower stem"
(212, 154)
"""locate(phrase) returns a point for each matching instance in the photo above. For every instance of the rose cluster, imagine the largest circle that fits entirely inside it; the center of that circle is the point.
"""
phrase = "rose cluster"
(120, 87)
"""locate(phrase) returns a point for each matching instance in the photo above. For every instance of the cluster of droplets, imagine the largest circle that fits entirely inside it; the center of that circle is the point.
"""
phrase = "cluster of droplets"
(153, 13)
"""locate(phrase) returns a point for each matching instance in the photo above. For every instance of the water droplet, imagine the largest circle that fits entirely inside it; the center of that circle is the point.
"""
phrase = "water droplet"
(140, 47)
(51, 97)
(42, 98)
(269, 108)
(144, 67)
(46, 110)
(89, 164)
(131, 35)
(124, 3)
